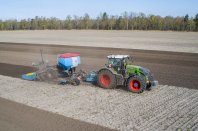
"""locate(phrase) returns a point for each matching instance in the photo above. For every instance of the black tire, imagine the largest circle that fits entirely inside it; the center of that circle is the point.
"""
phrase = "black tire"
(51, 74)
(76, 82)
(136, 84)
(144, 80)
(106, 79)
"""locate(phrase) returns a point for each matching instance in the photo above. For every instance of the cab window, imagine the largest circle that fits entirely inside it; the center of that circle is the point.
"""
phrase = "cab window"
(114, 61)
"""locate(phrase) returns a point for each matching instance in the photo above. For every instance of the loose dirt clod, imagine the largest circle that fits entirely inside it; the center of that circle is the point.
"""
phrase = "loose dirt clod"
(162, 108)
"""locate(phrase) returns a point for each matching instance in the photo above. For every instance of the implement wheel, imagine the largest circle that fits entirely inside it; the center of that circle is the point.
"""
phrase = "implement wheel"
(42, 76)
(136, 84)
(106, 79)
(51, 74)
(75, 82)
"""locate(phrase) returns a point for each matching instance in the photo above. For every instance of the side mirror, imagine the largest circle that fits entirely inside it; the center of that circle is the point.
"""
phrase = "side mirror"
(132, 59)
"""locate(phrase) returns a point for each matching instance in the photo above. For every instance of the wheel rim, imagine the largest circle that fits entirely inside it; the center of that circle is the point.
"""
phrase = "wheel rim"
(49, 75)
(135, 85)
(106, 80)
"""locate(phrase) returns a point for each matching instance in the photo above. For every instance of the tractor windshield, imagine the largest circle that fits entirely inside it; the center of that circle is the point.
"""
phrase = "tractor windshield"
(114, 61)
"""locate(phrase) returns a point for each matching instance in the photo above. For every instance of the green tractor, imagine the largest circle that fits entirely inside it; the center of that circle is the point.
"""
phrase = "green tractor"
(119, 72)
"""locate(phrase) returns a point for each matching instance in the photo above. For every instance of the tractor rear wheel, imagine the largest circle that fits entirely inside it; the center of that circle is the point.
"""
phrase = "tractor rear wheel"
(136, 84)
(106, 79)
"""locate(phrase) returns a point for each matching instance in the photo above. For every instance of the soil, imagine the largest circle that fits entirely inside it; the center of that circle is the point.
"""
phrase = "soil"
(146, 40)
(162, 108)
(19, 117)
(169, 68)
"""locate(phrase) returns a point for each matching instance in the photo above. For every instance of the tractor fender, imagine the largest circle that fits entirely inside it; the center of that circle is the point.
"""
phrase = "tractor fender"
(112, 71)
(131, 75)
(126, 80)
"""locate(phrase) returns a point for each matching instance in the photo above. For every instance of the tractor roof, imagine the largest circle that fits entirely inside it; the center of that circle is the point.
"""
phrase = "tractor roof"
(117, 56)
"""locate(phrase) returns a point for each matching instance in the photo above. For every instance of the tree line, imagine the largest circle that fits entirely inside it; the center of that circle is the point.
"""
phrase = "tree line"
(126, 21)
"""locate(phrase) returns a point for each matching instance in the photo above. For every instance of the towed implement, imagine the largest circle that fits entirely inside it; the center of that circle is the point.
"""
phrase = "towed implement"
(118, 72)
(66, 66)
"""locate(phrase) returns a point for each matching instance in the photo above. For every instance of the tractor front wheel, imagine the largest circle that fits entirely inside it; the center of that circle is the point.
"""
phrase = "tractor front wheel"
(136, 84)
(106, 79)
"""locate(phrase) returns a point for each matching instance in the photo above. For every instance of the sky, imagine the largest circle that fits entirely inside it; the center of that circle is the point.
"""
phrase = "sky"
(24, 9)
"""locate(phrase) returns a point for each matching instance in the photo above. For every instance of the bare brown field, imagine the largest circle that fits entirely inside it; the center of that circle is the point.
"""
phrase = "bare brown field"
(165, 107)
(169, 68)
(146, 40)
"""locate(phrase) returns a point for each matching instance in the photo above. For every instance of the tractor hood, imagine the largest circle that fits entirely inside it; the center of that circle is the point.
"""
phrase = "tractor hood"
(146, 71)
(134, 68)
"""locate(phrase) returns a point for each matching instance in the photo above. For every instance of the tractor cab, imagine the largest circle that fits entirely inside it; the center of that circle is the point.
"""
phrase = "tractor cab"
(118, 63)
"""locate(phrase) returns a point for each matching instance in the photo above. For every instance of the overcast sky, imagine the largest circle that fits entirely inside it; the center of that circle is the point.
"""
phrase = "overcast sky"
(23, 9)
